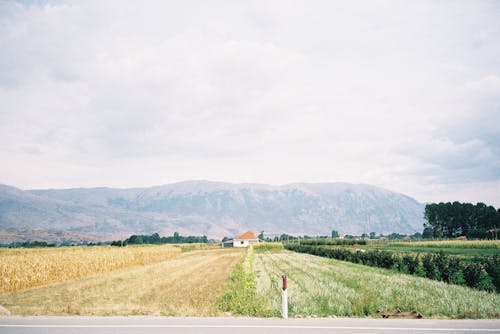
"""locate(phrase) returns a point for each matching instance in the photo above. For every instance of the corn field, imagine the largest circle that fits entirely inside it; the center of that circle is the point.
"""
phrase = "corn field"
(26, 268)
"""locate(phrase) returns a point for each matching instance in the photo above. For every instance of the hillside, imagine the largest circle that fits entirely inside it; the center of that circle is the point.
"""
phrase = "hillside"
(200, 207)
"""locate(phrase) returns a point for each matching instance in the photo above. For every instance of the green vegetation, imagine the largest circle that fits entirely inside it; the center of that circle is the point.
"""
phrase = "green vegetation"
(29, 244)
(196, 247)
(325, 287)
(241, 296)
(268, 246)
(450, 220)
(458, 244)
(155, 239)
(466, 249)
(482, 274)
(332, 242)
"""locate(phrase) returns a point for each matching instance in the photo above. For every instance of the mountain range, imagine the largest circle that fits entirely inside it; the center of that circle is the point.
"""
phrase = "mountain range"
(214, 209)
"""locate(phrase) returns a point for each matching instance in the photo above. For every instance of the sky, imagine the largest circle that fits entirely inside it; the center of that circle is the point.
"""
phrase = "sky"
(403, 95)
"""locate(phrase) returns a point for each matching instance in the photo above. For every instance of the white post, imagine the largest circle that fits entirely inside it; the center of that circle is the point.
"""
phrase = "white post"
(284, 298)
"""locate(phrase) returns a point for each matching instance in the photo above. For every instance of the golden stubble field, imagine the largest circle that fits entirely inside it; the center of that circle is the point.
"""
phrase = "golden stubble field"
(184, 284)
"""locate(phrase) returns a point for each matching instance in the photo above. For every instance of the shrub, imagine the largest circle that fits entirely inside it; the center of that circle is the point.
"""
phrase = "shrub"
(332, 242)
(484, 275)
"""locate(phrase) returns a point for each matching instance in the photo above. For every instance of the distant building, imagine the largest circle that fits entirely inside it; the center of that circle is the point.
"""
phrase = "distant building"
(244, 240)
(228, 243)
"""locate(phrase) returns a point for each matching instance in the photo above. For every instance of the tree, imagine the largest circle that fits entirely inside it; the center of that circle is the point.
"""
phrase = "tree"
(136, 240)
(372, 235)
(335, 234)
(450, 220)
(261, 235)
(428, 233)
(154, 238)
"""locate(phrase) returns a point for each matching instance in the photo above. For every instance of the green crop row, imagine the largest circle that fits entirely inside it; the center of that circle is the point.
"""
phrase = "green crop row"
(268, 247)
(332, 242)
(455, 244)
(484, 275)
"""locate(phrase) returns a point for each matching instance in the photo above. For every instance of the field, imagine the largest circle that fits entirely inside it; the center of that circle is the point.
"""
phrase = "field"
(465, 249)
(325, 287)
(162, 280)
(188, 284)
(26, 268)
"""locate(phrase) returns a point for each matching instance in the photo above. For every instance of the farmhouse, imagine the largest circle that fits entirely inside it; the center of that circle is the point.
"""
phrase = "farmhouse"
(244, 240)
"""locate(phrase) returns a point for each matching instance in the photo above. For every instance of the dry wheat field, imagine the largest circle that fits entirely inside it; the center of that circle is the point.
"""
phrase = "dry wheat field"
(178, 284)
(23, 268)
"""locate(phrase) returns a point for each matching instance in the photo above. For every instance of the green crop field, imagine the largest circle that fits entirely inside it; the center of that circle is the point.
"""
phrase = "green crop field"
(325, 287)
(466, 249)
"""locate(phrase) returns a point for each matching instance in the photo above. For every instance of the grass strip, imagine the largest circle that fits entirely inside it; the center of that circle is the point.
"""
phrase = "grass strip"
(241, 296)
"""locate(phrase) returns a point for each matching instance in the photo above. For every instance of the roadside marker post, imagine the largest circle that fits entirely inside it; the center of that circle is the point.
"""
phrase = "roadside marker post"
(284, 298)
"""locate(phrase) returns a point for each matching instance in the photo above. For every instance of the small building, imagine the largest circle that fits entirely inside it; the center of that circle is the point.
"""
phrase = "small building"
(244, 240)
(227, 243)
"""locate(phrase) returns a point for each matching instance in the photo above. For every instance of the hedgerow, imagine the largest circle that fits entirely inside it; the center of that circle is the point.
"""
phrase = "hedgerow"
(332, 242)
(482, 274)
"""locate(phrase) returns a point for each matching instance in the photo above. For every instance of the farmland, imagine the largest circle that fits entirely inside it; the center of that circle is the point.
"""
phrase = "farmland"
(162, 280)
(188, 284)
(460, 267)
(26, 268)
(466, 249)
(325, 287)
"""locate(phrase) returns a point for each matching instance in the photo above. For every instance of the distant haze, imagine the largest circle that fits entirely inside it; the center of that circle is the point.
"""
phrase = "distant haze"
(404, 95)
(207, 208)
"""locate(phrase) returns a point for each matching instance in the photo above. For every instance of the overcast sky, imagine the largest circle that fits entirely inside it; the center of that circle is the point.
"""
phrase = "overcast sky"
(400, 94)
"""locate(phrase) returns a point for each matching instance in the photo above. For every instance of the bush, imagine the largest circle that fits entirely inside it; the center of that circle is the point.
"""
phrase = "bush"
(332, 242)
(483, 275)
(492, 265)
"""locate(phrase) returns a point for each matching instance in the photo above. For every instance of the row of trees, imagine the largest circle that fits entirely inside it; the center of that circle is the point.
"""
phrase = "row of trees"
(335, 235)
(481, 274)
(155, 238)
(451, 220)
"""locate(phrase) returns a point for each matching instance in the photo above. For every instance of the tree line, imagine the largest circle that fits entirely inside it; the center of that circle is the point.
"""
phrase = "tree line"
(451, 220)
(155, 239)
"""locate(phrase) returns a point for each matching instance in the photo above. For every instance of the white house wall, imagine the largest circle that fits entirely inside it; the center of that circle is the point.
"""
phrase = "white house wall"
(240, 243)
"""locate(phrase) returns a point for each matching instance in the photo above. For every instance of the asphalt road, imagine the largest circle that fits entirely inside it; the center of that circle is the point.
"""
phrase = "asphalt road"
(149, 325)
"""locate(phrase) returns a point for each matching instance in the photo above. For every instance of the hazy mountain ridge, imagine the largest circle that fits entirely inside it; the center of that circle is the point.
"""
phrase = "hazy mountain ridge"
(215, 209)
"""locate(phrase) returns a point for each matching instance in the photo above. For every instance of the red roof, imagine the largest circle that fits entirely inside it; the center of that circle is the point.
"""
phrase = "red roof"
(248, 235)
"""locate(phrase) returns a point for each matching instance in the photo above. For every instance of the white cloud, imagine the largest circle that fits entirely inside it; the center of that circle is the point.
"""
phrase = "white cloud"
(111, 93)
